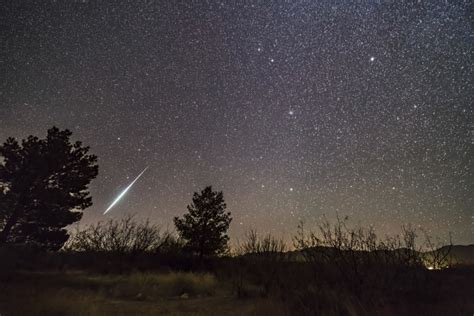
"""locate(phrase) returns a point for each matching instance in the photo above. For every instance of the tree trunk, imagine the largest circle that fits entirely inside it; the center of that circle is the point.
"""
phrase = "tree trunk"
(7, 229)
(11, 221)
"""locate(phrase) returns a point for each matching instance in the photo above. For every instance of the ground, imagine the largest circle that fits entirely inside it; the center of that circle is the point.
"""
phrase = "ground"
(81, 293)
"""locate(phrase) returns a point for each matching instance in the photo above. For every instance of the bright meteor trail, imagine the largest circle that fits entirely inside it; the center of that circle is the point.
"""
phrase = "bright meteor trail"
(124, 191)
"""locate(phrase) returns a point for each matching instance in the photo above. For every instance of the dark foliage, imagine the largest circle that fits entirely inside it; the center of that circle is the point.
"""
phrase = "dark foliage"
(43, 188)
(204, 228)
(340, 270)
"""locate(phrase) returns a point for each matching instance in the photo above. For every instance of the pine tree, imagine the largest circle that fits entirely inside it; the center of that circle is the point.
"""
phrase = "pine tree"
(43, 188)
(204, 227)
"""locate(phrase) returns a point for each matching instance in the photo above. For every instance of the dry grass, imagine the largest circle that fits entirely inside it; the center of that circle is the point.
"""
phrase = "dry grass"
(79, 293)
(152, 286)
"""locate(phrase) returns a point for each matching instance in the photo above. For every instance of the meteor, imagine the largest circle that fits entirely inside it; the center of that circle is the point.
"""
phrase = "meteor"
(124, 191)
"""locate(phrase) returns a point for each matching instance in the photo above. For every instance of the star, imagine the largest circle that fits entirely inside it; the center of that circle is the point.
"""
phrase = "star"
(261, 101)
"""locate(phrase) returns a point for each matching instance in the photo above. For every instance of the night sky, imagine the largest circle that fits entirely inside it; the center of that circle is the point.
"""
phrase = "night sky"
(294, 109)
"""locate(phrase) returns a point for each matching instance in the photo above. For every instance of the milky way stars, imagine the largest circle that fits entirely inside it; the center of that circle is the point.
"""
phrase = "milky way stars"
(294, 110)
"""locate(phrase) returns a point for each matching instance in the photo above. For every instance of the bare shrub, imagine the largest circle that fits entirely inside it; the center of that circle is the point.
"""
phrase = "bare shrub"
(437, 253)
(260, 258)
(266, 246)
(121, 237)
(361, 259)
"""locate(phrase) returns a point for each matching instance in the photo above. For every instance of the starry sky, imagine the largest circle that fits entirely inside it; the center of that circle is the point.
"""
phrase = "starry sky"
(295, 109)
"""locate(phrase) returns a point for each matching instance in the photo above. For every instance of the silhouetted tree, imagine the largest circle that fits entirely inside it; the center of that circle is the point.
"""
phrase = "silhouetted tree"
(204, 228)
(43, 188)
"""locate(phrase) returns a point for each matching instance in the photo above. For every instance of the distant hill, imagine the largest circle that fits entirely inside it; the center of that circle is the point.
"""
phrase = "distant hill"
(460, 254)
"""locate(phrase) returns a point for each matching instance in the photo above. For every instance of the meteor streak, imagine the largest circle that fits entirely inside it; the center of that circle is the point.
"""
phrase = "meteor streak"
(124, 191)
